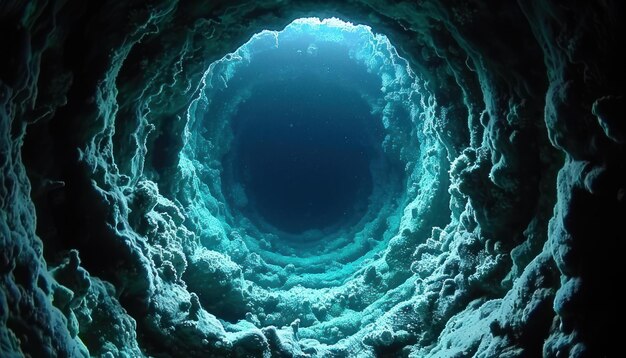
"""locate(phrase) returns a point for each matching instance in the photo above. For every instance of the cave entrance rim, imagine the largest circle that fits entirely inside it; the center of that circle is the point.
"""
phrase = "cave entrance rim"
(223, 95)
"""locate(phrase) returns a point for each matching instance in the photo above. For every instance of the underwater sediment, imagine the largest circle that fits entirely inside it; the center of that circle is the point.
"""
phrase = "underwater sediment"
(311, 178)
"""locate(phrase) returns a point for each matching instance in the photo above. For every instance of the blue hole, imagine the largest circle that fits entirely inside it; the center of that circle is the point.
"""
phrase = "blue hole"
(303, 151)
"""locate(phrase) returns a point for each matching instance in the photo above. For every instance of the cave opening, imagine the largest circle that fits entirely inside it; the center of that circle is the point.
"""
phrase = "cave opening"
(303, 127)
(305, 140)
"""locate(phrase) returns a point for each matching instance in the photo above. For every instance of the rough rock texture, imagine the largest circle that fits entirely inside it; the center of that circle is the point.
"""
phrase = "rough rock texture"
(505, 240)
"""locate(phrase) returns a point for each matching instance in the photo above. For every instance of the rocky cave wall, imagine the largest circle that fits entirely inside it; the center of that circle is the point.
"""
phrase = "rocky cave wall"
(100, 256)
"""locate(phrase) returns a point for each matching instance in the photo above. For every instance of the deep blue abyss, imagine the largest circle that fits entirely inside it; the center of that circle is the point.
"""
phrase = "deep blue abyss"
(304, 141)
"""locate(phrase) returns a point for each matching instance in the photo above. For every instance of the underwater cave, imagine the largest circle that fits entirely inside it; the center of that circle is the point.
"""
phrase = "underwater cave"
(311, 178)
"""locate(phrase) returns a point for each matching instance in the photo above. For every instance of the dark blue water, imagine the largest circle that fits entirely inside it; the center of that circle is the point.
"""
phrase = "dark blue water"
(305, 139)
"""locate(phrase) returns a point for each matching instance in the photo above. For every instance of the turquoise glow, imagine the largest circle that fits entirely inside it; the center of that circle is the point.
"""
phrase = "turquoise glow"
(303, 273)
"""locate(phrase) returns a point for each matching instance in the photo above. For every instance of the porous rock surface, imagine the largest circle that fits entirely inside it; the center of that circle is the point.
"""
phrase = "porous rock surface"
(105, 249)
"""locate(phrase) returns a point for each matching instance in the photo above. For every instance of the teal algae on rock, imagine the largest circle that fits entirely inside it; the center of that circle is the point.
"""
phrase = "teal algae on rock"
(139, 217)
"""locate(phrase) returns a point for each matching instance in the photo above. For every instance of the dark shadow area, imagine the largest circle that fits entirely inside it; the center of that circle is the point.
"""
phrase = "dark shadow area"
(302, 153)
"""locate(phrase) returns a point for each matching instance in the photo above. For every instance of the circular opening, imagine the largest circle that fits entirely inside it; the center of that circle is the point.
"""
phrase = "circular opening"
(302, 154)
(317, 174)
(306, 147)
(301, 140)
